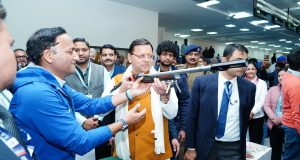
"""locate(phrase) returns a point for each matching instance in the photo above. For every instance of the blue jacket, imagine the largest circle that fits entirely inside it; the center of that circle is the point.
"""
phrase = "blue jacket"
(183, 103)
(45, 110)
(118, 70)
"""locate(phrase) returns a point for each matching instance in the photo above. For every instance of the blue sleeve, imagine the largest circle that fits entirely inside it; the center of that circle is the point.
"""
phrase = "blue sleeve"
(173, 132)
(183, 101)
(90, 106)
(45, 110)
(192, 116)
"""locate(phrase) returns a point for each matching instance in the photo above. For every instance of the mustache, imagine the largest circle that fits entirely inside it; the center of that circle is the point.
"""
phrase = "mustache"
(108, 60)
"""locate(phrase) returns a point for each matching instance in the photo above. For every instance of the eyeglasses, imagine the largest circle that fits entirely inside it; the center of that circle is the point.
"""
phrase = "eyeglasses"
(22, 57)
(143, 56)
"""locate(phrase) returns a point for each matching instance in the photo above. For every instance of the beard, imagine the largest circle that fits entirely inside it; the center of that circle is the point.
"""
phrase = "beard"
(83, 61)
(166, 63)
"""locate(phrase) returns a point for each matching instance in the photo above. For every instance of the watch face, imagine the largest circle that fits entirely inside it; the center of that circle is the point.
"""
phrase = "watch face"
(124, 125)
(124, 128)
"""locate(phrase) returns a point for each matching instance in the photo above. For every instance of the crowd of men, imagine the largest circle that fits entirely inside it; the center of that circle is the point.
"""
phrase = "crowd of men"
(63, 106)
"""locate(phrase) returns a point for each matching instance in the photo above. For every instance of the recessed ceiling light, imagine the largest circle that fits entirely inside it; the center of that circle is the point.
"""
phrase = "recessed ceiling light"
(288, 41)
(196, 30)
(297, 44)
(239, 15)
(244, 29)
(229, 43)
(271, 27)
(298, 3)
(177, 34)
(248, 46)
(271, 45)
(279, 51)
(262, 43)
(286, 52)
(258, 22)
(184, 35)
(277, 46)
(229, 25)
(268, 49)
(282, 40)
(211, 32)
(289, 48)
(208, 3)
(254, 47)
(254, 41)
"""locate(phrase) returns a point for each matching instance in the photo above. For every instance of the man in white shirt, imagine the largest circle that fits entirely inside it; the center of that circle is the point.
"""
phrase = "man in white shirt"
(219, 112)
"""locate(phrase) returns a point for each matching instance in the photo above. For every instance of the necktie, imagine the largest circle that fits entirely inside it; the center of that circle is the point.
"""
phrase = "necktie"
(221, 122)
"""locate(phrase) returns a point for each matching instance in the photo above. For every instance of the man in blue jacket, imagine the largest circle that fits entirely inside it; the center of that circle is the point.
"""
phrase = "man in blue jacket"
(44, 106)
(167, 52)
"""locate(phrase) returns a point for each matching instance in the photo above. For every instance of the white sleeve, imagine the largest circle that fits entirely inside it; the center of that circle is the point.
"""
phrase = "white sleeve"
(170, 109)
(260, 95)
(79, 118)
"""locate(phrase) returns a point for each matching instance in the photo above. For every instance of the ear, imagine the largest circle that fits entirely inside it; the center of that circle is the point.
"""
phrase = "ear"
(48, 56)
(223, 59)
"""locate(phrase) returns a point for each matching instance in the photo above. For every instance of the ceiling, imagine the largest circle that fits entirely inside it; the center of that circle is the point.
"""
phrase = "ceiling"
(180, 16)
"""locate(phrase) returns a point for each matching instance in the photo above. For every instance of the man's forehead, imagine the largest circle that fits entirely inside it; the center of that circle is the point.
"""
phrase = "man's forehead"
(64, 40)
(142, 47)
(80, 44)
(20, 52)
(168, 52)
(107, 50)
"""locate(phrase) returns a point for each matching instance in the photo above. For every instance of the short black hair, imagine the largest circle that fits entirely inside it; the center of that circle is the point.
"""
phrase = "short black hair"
(41, 40)
(109, 46)
(167, 46)
(2, 12)
(252, 60)
(232, 47)
(81, 40)
(137, 42)
(19, 49)
(279, 65)
(253, 63)
(293, 59)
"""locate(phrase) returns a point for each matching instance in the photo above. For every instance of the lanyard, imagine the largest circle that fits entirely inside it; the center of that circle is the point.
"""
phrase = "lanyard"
(89, 76)
(13, 144)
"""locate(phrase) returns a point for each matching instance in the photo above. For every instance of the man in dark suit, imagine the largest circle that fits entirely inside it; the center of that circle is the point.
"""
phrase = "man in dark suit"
(219, 112)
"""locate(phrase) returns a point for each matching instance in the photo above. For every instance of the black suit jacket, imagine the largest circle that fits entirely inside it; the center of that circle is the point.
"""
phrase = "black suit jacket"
(203, 113)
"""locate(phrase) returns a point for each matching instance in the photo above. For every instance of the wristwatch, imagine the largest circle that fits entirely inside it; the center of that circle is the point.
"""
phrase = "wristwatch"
(124, 125)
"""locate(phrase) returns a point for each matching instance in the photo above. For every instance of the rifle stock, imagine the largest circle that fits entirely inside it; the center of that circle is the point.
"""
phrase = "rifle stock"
(175, 74)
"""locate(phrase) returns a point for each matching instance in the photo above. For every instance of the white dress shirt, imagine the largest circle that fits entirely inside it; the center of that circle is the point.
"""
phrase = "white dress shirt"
(232, 128)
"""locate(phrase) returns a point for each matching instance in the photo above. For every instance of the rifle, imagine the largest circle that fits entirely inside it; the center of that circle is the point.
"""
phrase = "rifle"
(175, 74)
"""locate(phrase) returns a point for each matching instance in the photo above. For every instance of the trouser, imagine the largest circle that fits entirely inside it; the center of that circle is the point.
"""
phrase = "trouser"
(225, 151)
(256, 130)
(276, 142)
(291, 144)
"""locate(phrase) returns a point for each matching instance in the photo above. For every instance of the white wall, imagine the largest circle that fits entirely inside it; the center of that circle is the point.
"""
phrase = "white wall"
(99, 21)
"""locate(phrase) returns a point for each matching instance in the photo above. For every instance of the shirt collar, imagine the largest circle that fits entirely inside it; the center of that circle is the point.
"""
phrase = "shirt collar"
(296, 73)
(83, 71)
(60, 81)
(222, 79)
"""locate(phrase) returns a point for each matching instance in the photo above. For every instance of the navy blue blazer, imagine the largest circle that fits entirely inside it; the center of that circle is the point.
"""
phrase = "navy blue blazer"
(118, 70)
(204, 110)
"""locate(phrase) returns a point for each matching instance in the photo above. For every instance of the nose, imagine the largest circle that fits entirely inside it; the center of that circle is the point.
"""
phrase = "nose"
(75, 56)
